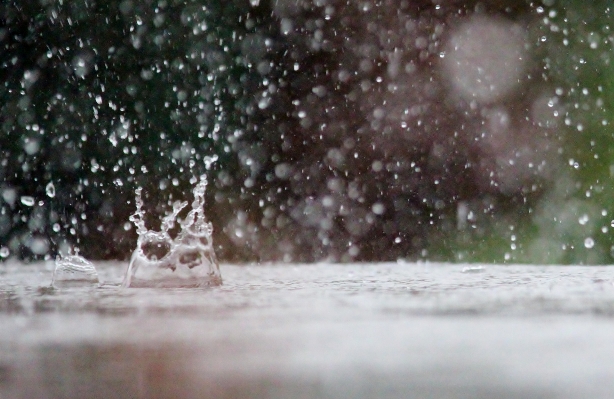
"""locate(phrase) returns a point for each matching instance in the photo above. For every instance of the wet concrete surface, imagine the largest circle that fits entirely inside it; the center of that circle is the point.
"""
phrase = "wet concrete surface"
(313, 331)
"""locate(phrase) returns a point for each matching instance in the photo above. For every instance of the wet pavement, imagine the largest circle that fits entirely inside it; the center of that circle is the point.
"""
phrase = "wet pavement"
(313, 331)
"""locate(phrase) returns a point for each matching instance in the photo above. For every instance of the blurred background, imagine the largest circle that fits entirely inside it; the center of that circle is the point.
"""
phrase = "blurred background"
(371, 130)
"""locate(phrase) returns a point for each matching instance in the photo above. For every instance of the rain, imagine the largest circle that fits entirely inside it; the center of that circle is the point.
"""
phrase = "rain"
(345, 132)
(306, 198)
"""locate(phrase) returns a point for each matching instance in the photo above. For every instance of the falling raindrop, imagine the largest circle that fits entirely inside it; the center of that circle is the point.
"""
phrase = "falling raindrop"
(50, 190)
(27, 200)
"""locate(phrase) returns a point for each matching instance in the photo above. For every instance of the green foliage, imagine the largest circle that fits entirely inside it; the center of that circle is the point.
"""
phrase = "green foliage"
(572, 221)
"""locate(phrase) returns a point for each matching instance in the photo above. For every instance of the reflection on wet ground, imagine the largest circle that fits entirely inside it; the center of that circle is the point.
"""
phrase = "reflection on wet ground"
(120, 371)
(333, 331)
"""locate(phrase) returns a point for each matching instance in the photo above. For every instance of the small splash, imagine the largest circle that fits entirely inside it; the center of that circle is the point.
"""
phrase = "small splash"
(188, 260)
(473, 269)
(74, 271)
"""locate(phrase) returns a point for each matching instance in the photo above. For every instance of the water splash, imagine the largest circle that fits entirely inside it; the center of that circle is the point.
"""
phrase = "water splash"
(473, 269)
(188, 260)
(74, 271)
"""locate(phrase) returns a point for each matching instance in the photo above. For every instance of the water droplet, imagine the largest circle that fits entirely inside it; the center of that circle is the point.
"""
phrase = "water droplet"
(589, 243)
(583, 219)
(27, 200)
(378, 208)
(4, 252)
(50, 190)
